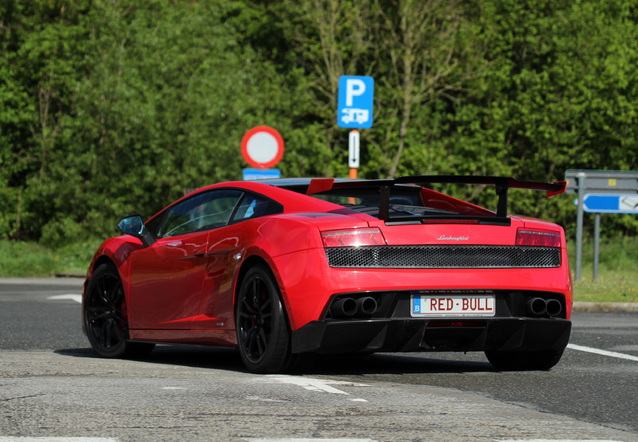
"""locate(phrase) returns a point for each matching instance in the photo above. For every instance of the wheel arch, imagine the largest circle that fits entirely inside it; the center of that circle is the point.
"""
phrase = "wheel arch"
(98, 261)
(116, 252)
(251, 262)
(104, 260)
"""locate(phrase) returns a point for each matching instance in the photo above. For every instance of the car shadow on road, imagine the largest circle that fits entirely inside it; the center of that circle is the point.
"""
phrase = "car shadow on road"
(351, 364)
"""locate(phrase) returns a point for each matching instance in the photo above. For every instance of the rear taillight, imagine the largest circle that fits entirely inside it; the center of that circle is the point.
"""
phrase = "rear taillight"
(537, 238)
(353, 238)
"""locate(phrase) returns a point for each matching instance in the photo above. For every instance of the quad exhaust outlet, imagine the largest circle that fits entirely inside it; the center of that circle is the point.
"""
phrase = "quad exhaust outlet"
(349, 307)
(544, 307)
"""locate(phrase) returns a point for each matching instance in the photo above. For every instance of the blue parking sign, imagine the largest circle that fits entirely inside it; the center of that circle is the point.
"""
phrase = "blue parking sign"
(356, 94)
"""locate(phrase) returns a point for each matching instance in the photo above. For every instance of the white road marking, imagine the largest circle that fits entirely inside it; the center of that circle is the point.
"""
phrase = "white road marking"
(597, 351)
(320, 385)
(324, 385)
(76, 298)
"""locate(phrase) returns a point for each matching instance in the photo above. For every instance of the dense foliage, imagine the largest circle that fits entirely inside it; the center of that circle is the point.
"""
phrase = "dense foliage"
(112, 107)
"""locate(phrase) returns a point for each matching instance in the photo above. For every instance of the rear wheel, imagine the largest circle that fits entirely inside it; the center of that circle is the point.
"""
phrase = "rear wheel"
(524, 360)
(263, 334)
(106, 318)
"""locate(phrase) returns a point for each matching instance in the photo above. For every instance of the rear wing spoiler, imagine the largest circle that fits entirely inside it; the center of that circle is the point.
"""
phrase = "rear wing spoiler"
(501, 185)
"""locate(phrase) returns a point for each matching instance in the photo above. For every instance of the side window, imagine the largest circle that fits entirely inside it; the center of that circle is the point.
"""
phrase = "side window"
(254, 206)
(205, 211)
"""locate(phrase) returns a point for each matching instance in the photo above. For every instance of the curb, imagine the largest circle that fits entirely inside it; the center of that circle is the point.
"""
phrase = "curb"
(49, 281)
(605, 307)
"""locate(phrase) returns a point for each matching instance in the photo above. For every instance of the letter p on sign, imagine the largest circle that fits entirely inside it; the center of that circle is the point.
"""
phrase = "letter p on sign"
(354, 88)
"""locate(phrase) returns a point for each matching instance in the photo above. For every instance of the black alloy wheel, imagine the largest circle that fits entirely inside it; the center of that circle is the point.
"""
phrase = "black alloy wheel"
(106, 316)
(263, 334)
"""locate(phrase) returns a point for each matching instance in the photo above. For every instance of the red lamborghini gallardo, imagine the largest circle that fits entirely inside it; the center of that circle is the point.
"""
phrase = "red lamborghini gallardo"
(284, 268)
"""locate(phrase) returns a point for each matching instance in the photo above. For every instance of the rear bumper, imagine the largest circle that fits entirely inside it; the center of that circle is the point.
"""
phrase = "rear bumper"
(404, 335)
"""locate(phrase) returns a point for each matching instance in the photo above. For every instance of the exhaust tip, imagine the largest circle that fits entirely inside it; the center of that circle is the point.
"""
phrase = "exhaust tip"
(367, 305)
(344, 307)
(536, 306)
(554, 307)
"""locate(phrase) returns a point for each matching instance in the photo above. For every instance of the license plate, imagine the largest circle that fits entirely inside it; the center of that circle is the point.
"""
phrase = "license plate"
(443, 306)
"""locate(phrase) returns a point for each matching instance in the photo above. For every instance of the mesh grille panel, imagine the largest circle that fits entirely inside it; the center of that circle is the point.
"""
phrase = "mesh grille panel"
(444, 257)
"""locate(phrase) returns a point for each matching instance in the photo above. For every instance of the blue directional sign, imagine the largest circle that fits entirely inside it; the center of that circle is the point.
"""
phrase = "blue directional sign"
(356, 95)
(605, 203)
(260, 174)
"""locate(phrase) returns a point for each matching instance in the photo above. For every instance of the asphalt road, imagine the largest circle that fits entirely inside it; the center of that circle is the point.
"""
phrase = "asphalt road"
(52, 384)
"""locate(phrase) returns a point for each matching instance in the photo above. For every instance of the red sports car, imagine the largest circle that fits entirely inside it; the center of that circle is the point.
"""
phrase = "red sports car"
(285, 268)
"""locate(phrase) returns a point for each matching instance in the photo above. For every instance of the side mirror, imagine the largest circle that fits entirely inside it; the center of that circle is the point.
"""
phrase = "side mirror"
(134, 226)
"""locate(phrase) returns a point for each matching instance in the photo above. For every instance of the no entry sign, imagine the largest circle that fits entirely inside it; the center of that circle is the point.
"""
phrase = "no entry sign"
(262, 147)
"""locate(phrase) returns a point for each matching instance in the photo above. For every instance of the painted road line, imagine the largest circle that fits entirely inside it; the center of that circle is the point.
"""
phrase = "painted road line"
(76, 298)
(319, 385)
(597, 351)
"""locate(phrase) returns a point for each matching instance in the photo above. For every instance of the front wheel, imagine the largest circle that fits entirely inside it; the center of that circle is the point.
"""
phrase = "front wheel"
(263, 334)
(524, 360)
(105, 316)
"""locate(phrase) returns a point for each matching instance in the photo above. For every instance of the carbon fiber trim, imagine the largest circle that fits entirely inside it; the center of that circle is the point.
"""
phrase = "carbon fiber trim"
(444, 257)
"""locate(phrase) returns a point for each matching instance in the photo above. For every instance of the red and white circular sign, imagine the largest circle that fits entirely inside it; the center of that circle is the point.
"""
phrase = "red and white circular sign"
(262, 147)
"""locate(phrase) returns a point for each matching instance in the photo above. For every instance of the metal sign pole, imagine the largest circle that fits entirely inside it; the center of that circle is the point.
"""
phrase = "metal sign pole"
(596, 244)
(353, 152)
(579, 223)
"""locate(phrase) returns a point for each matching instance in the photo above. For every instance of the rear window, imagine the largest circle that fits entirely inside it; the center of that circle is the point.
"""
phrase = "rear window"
(403, 202)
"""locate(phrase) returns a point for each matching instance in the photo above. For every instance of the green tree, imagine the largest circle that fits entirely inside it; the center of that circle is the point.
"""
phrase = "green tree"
(109, 107)
(41, 56)
(559, 93)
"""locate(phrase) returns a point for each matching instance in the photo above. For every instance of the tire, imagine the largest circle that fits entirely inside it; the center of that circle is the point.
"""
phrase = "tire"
(524, 360)
(263, 334)
(105, 316)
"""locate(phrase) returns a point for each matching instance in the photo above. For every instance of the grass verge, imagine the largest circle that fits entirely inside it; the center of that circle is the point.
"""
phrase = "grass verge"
(32, 260)
(617, 276)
